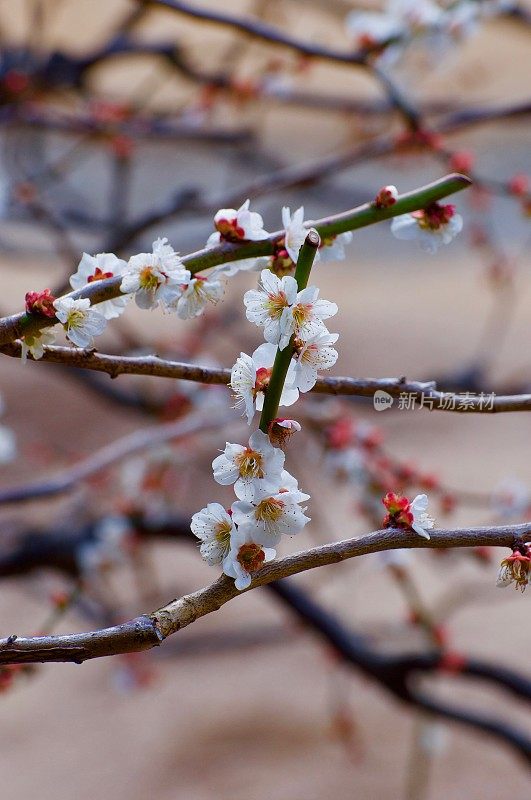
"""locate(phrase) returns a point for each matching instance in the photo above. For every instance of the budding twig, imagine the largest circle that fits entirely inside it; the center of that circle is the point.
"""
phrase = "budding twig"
(18, 325)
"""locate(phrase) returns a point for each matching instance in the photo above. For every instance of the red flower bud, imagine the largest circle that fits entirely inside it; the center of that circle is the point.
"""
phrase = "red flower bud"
(40, 303)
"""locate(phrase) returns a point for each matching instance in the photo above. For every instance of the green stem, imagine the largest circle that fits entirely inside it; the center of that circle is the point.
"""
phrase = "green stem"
(273, 394)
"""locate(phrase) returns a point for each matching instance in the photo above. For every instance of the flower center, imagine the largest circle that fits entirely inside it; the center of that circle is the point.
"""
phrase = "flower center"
(230, 230)
(269, 510)
(302, 312)
(251, 557)
(75, 318)
(249, 464)
(99, 275)
(262, 380)
(222, 534)
(434, 216)
(276, 303)
(148, 280)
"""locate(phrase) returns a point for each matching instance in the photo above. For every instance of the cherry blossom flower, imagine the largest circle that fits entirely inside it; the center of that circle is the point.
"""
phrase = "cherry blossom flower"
(333, 247)
(312, 355)
(516, 568)
(250, 378)
(296, 232)
(195, 297)
(245, 557)
(156, 278)
(97, 268)
(34, 343)
(422, 522)
(403, 513)
(399, 18)
(270, 516)
(431, 227)
(305, 317)
(239, 225)
(370, 28)
(251, 469)
(267, 305)
(214, 527)
(81, 322)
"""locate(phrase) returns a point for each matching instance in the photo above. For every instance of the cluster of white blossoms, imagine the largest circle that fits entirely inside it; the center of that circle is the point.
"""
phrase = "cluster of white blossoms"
(156, 279)
(401, 20)
(288, 317)
(431, 227)
(268, 506)
(160, 278)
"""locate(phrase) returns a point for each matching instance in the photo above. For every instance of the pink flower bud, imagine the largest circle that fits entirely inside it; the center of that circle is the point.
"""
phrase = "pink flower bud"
(40, 303)
(386, 197)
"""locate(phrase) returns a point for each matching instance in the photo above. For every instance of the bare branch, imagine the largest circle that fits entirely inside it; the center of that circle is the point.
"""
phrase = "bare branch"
(424, 392)
(181, 612)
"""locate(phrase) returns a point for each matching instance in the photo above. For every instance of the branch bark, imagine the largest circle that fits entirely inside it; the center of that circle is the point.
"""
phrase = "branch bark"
(423, 392)
(149, 630)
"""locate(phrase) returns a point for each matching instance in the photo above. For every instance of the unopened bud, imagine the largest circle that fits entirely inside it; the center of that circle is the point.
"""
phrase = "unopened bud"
(386, 197)
(40, 303)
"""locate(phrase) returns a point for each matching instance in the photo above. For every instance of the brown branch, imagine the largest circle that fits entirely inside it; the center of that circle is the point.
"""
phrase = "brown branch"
(423, 392)
(149, 630)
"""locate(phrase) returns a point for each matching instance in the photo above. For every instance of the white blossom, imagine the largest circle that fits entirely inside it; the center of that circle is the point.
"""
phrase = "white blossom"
(267, 305)
(195, 297)
(431, 228)
(35, 343)
(251, 469)
(333, 249)
(296, 232)
(312, 355)
(422, 522)
(213, 526)
(270, 516)
(305, 317)
(399, 18)
(245, 557)
(97, 268)
(239, 225)
(372, 27)
(80, 321)
(156, 278)
(250, 377)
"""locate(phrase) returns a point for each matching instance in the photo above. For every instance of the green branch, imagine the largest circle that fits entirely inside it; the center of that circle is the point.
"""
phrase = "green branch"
(20, 324)
(273, 394)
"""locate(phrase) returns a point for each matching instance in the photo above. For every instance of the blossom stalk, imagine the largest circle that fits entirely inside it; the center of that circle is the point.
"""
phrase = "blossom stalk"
(283, 357)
